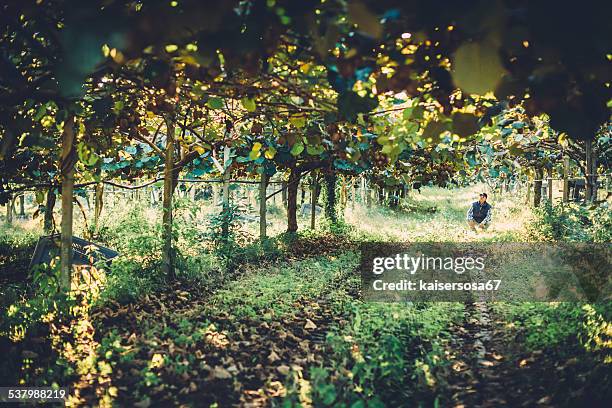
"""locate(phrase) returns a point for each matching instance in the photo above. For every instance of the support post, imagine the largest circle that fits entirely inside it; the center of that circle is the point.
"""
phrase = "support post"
(550, 184)
(68, 160)
(566, 169)
(263, 185)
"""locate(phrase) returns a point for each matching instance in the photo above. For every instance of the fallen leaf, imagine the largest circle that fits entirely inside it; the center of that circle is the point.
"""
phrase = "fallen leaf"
(145, 403)
(310, 325)
(283, 369)
(221, 373)
(272, 357)
(544, 400)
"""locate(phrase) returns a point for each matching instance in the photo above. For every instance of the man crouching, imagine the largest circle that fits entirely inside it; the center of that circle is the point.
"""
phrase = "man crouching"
(479, 214)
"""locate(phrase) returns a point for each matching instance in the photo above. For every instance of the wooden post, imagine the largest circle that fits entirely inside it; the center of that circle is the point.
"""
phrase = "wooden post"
(566, 169)
(167, 252)
(363, 190)
(550, 184)
(527, 200)
(313, 202)
(226, 176)
(263, 185)
(98, 202)
(225, 192)
(68, 160)
(284, 193)
(537, 186)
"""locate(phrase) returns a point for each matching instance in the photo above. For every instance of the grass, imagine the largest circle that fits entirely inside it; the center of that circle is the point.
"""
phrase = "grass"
(270, 297)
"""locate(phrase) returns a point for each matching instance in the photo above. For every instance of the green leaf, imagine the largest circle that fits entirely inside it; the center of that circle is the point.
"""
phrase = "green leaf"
(314, 150)
(407, 114)
(366, 21)
(465, 124)
(249, 104)
(297, 149)
(215, 103)
(350, 104)
(477, 67)
(434, 130)
(254, 154)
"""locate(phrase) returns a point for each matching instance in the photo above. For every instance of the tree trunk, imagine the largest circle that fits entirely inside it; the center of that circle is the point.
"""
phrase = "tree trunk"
(588, 147)
(368, 195)
(48, 223)
(537, 187)
(98, 202)
(9, 211)
(263, 185)
(225, 191)
(292, 193)
(566, 168)
(168, 252)
(314, 195)
(594, 180)
(22, 214)
(68, 160)
(330, 197)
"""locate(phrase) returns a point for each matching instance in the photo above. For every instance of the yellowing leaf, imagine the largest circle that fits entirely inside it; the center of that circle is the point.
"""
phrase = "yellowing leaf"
(298, 120)
(270, 153)
(157, 360)
(199, 149)
(256, 146)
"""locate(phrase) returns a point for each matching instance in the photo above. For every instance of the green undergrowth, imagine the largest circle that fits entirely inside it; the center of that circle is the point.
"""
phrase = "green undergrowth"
(565, 327)
(272, 292)
(571, 222)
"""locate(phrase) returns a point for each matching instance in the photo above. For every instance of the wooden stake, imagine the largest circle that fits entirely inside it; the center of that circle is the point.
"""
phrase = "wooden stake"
(263, 186)
(566, 169)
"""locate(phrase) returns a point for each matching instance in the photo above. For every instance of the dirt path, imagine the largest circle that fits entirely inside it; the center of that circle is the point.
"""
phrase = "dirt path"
(478, 371)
